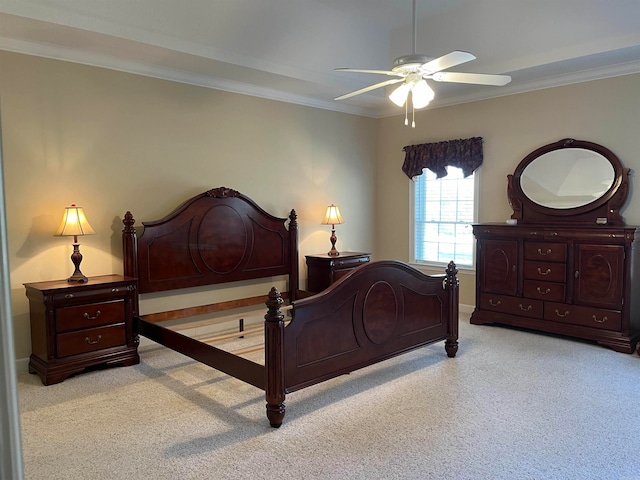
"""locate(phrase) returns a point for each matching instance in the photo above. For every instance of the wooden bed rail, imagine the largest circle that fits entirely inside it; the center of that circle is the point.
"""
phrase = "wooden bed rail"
(206, 309)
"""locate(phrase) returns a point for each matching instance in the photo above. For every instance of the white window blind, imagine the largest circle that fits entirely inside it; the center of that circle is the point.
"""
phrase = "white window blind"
(444, 210)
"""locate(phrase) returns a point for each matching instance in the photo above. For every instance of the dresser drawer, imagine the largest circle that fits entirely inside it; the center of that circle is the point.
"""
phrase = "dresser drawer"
(516, 306)
(545, 271)
(586, 316)
(550, 252)
(553, 292)
(90, 340)
(89, 315)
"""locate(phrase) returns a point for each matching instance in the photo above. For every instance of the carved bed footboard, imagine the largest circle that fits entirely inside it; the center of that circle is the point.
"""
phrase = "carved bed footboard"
(381, 310)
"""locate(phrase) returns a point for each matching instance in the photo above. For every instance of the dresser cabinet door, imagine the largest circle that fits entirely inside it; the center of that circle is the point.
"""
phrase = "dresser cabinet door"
(599, 275)
(499, 266)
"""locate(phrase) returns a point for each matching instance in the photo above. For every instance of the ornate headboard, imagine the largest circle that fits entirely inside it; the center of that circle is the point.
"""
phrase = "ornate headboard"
(216, 237)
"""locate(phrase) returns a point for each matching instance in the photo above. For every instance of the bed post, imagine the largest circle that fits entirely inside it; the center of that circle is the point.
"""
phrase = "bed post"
(130, 251)
(129, 246)
(274, 358)
(451, 285)
(294, 274)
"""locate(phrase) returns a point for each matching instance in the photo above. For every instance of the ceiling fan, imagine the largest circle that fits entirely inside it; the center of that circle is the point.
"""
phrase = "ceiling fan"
(414, 70)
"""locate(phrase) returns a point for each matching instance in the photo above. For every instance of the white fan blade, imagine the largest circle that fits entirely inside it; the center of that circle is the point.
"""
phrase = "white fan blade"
(360, 70)
(372, 87)
(477, 78)
(447, 61)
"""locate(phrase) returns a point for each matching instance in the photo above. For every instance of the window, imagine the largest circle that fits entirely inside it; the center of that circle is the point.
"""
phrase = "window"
(443, 210)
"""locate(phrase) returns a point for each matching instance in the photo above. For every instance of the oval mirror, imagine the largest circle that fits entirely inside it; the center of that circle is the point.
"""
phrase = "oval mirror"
(567, 178)
(569, 181)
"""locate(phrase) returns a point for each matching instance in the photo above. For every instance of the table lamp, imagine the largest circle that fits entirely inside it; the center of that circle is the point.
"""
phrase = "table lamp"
(75, 224)
(333, 217)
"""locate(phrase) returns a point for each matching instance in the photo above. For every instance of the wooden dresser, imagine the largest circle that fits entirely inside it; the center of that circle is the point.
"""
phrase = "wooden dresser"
(570, 281)
(80, 325)
(568, 271)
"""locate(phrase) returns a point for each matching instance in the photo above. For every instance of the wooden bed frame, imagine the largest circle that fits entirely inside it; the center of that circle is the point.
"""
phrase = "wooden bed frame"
(378, 311)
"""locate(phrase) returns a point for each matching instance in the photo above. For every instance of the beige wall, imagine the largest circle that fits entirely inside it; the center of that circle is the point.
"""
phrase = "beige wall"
(112, 142)
(604, 111)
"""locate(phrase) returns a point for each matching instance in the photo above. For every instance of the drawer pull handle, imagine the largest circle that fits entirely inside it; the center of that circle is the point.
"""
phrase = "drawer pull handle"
(554, 234)
(529, 307)
(89, 317)
(544, 254)
(115, 290)
(533, 233)
(604, 319)
(494, 304)
(562, 315)
(544, 273)
(69, 295)
(90, 342)
(548, 290)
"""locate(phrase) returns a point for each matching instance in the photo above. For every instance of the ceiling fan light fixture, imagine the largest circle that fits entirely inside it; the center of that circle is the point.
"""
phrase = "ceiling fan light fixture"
(421, 94)
(400, 94)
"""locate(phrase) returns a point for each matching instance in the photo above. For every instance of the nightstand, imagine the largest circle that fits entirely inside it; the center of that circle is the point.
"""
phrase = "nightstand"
(323, 270)
(80, 325)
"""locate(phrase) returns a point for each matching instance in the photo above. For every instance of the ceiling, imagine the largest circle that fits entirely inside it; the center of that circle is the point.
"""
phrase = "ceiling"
(287, 49)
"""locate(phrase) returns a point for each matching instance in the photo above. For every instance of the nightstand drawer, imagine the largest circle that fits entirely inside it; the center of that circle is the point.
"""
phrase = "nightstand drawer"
(100, 292)
(89, 315)
(90, 340)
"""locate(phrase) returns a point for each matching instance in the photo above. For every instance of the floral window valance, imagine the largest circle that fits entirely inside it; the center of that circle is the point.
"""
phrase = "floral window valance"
(465, 154)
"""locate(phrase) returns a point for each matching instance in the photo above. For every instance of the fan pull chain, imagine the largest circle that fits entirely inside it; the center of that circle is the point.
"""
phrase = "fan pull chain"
(413, 115)
(406, 111)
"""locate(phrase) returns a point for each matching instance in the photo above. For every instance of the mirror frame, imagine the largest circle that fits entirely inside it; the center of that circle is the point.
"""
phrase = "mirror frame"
(602, 211)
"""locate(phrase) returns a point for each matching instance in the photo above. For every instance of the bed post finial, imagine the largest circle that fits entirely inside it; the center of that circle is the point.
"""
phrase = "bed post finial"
(451, 285)
(274, 358)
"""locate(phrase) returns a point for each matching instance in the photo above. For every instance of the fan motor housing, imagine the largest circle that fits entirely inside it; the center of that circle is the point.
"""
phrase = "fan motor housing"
(410, 63)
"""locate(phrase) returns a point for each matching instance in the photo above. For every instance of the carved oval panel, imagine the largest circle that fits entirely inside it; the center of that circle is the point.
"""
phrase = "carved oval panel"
(380, 313)
(222, 239)
(598, 276)
(498, 273)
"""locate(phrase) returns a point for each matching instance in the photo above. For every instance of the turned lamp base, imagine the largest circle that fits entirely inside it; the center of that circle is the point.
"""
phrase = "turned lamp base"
(76, 258)
(333, 252)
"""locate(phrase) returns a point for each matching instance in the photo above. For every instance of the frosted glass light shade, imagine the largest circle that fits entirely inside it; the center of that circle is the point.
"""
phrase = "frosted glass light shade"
(421, 94)
(400, 94)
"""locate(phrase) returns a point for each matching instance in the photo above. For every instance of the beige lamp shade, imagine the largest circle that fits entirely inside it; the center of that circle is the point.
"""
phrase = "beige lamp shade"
(74, 223)
(332, 217)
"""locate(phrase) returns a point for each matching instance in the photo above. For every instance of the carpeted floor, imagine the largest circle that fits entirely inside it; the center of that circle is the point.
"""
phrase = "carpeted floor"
(511, 405)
